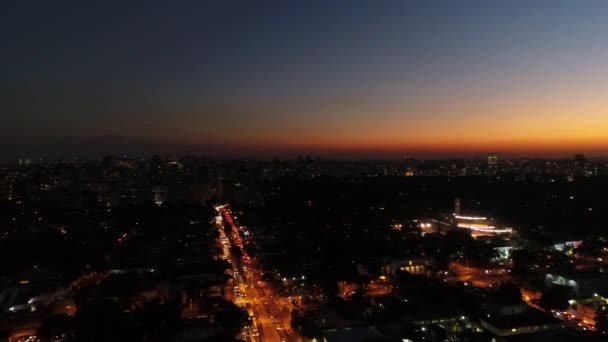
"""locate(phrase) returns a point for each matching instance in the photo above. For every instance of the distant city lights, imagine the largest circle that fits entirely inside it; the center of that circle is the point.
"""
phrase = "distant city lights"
(473, 218)
(484, 228)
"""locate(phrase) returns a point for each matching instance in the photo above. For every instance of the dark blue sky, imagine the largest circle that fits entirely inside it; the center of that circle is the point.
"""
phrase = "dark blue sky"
(426, 76)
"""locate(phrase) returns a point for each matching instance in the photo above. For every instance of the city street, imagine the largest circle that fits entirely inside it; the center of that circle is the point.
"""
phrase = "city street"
(270, 312)
(480, 277)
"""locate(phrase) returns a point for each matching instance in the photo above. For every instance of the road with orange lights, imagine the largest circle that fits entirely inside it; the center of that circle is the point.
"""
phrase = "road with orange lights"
(271, 314)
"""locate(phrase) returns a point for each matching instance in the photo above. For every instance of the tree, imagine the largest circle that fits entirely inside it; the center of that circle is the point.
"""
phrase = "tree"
(103, 320)
(522, 259)
(221, 337)
(236, 253)
(591, 247)
(329, 285)
(267, 277)
(459, 237)
(555, 298)
(508, 294)
(226, 315)
(56, 326)
(295, 319)
(157, 319)
(120, 286)
(601, 321)
(192, 288)
(305, 325)
(251, 249)
(358, 303)
(363, 281)
(480, 253)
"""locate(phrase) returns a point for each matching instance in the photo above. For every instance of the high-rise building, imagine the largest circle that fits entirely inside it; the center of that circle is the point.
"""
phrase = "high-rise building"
(457, 206)
(219, 190)
(492, 159)
(159, 194)
(580, 164)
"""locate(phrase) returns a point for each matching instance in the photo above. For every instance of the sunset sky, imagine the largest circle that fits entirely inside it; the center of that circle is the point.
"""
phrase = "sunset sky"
(428, 78)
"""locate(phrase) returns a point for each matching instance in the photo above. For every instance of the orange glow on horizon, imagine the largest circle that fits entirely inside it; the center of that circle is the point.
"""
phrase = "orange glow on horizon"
(559, 148)
(559, 120)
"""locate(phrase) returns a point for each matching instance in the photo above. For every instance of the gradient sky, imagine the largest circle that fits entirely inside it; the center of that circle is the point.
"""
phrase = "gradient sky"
(371, 77)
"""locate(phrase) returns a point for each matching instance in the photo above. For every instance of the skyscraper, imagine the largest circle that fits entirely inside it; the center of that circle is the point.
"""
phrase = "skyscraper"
(492, 159)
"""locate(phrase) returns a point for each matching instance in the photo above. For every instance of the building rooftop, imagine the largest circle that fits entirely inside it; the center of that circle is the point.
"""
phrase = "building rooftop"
(427, 312)
(356, 334)
(529, 317)
(561, 335)
(582, 274)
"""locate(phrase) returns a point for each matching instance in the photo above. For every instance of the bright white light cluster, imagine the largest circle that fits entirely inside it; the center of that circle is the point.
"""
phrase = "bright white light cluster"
(484, 228)
(473, 218)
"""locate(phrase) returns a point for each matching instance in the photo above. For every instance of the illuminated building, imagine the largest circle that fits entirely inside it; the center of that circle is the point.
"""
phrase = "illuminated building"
(521, 320)
(25, 162)
(564, 246)
(580, 284)
(480, 225)
(160, 195)
(427, 227)
(492, 159)
(418, 265)
(505, 314)
(457, 206)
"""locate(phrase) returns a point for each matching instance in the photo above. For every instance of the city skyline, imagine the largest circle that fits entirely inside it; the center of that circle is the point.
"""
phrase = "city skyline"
(428, 79)
(303, 171)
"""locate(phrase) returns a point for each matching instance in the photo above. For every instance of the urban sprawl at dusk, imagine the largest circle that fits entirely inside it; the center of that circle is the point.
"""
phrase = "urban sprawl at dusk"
(304, 171)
